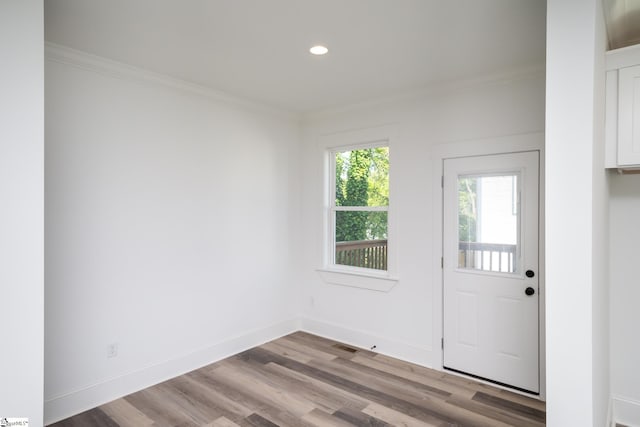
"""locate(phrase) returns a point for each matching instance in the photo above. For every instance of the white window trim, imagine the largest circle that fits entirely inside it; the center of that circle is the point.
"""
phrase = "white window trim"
(377, 280)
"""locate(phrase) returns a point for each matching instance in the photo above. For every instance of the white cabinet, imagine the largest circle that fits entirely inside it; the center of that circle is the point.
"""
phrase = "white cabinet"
(629, 116)
(623, 108)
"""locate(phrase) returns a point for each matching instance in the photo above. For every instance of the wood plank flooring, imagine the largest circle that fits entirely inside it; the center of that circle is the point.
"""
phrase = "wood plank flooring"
(305, 380)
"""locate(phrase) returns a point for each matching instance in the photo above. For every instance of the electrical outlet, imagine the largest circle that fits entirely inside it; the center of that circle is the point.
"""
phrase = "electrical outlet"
(112, 350)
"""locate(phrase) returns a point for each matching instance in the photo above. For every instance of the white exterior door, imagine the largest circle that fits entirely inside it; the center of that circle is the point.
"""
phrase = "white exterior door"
(490, 268)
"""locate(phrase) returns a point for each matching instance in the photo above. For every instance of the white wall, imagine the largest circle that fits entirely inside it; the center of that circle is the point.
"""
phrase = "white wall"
(600, 249)
(401, 322)
(168, 229)
(21, 210)
(576, 238)
(625, 295)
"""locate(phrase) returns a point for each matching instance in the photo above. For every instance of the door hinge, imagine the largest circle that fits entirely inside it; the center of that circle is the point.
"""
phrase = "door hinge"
(441, 262)
(442, 343)
(442, 181)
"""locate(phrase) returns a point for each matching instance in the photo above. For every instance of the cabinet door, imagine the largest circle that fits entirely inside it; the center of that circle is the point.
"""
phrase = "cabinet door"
(629, 116)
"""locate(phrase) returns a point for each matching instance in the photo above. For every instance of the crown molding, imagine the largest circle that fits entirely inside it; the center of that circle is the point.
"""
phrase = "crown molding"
(86, 61)
(451, 86)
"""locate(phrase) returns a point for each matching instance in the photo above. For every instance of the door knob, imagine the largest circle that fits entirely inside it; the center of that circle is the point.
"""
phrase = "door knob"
(529, 273)
(529, 291)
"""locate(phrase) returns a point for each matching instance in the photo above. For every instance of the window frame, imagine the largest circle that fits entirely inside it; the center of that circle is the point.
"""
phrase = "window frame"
(366, 279)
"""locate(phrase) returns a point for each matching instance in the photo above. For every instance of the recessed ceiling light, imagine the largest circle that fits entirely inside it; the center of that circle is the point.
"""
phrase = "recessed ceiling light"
(319, 50)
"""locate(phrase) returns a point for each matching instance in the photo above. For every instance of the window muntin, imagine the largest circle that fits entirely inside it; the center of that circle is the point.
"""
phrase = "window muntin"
(359, 207)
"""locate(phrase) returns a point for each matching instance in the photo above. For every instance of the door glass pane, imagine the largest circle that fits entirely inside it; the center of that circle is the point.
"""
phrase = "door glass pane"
(488, 223)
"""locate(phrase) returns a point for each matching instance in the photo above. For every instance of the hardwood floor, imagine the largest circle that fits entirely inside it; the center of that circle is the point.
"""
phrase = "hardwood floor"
(305, 380)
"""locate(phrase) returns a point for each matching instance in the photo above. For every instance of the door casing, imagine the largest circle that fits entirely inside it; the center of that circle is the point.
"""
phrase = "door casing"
(479, 147)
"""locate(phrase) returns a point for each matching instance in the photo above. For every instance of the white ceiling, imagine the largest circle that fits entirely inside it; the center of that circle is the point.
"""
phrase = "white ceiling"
(258, 49)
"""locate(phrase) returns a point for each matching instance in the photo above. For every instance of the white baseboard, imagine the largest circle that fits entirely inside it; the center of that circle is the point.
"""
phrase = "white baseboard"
(625, 411)
(73, 403)
(400, 350)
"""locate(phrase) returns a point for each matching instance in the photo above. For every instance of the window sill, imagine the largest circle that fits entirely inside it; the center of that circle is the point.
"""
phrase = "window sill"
(371, 281)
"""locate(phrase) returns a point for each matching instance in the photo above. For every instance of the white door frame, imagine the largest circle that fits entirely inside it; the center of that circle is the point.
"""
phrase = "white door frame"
(499, 145)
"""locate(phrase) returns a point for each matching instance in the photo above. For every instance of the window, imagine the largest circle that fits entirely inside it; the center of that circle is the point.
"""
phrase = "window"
(359, 207)
(488, 222)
